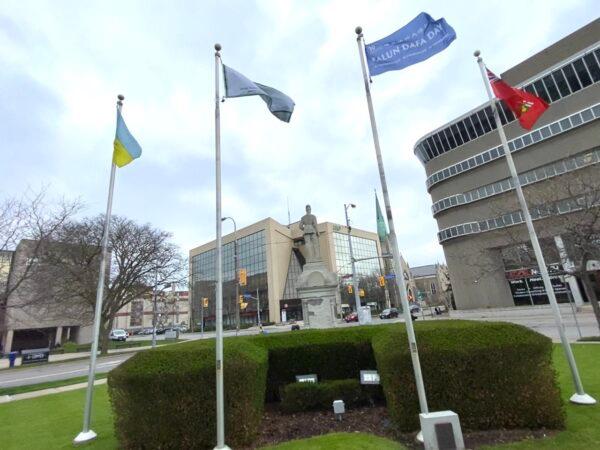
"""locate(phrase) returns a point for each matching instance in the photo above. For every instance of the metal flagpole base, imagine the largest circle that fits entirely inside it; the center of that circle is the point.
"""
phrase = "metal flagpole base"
(419, 437)
(84, 436)
(582, 399)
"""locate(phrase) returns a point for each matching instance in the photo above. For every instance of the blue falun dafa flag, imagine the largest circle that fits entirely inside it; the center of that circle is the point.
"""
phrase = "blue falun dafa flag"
(417, 41)
(237, 85)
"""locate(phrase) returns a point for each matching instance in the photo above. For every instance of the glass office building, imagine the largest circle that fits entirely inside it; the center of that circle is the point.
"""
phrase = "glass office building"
(252, 257)
(272, 255)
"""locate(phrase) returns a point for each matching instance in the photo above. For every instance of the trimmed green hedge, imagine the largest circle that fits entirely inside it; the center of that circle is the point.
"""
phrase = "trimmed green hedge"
(297, 397)
(493, 375)
(166, 399)
(333, 354)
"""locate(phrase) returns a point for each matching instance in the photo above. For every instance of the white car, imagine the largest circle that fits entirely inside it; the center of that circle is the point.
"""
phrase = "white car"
(118, 335)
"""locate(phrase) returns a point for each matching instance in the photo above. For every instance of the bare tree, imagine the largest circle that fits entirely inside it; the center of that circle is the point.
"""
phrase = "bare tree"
(33, 219)
(570, 208)
(142, 257)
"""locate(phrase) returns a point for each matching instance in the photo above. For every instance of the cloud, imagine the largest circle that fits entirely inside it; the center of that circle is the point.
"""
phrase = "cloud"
(61, 69)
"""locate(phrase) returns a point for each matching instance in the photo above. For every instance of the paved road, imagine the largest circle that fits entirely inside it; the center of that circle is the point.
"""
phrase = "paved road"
(58, 371)
(540, 320)
(23, 376)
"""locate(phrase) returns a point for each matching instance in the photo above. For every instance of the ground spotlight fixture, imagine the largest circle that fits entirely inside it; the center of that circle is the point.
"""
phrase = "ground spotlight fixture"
(339, 408)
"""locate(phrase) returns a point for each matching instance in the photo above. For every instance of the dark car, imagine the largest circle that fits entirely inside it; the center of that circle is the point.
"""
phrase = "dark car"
(389, 313)
(352, 317)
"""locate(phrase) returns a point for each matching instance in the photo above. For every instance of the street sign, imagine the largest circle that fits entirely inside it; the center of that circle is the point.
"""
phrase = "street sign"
(390, 276)
(247, 295)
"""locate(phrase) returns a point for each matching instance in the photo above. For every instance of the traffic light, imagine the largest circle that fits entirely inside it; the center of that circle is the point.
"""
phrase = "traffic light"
(241, 299)
(350, 291)
(243, 305)
(242, 277)
(381, 280)
(205, 302)
(361, 292)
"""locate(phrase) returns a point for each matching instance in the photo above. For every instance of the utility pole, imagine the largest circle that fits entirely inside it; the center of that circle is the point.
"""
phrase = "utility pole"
(154, 310)
(353, 261)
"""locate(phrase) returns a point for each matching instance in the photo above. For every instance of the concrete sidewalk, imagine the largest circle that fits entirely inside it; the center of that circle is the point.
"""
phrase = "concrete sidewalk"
(42, 392)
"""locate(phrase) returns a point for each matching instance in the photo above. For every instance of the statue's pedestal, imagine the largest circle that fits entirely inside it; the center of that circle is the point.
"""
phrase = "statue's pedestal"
(318, 289)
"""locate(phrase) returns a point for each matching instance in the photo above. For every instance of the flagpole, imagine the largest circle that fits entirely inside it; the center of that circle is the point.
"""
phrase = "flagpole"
(87, 434)
(580, 397)
(414, 353)
(218, 264)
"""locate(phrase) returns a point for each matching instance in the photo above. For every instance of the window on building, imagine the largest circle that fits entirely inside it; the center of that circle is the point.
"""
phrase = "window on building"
(541, 90)
(582, 73)
(464, 134)
(593, 66)
(551, 88)
(484, 119)
(561, 82)
(571, 78)
(450, 135)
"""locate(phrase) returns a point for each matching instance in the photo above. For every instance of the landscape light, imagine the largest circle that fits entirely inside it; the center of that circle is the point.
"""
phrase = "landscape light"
(369, 377)
(310, 378)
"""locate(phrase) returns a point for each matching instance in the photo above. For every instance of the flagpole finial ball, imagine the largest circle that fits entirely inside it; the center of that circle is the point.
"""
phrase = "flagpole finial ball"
(358, 30)
(476, 53)
(218, 47)
(121, 97)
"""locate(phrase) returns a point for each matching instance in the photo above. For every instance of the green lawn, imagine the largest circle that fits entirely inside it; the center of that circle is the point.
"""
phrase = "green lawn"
(340, 441)
(51, 422)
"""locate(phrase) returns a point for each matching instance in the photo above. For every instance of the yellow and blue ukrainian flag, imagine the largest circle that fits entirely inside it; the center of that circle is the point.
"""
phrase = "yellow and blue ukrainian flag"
(126, 147)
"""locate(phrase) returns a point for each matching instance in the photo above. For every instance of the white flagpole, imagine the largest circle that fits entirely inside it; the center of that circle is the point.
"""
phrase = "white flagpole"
(219, 264)
(87, 434)
(580, 396)
(412, 341)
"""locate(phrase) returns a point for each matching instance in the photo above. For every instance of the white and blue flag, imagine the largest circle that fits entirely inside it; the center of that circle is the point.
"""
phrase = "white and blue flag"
(237, 85)
(420, 39)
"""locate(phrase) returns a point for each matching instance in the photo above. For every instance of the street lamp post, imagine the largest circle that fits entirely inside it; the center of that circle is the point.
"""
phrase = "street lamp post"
(353, 261)
(236, 269)
(258, 308)
(154, 309)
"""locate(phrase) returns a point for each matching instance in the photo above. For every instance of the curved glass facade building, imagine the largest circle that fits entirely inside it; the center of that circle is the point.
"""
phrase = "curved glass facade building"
(473, 197)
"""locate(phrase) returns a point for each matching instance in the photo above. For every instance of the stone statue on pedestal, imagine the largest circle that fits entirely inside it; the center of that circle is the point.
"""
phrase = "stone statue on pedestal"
(308, 225)
(317, 287)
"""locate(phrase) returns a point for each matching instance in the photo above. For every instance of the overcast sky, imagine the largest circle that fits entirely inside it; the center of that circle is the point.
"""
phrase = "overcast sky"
(62, 63)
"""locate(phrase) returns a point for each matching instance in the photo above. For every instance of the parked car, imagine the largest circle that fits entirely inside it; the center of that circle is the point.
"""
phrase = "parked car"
(352, 317)
(414, 308)
(388, 313)
(118, 335)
